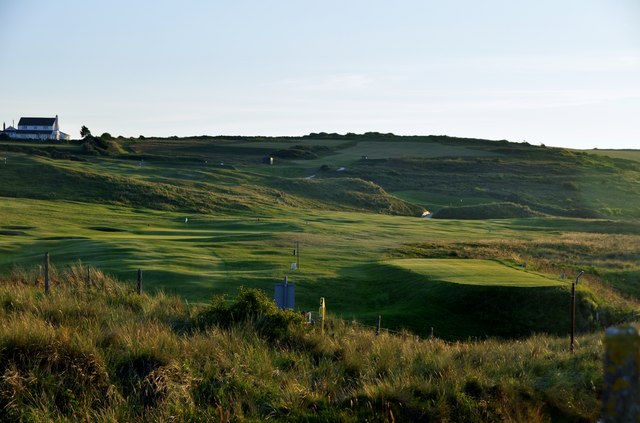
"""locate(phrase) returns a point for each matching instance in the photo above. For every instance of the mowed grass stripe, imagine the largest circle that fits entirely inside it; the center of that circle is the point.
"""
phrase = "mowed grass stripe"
(474, 272)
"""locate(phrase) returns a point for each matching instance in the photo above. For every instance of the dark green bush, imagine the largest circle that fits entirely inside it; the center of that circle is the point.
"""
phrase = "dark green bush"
(101, 145)
(251, 306)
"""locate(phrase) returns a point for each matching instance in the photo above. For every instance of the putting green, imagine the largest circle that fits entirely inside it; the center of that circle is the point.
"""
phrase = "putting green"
(474, 272)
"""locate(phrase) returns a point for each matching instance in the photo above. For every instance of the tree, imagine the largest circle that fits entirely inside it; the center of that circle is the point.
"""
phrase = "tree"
(84, 132)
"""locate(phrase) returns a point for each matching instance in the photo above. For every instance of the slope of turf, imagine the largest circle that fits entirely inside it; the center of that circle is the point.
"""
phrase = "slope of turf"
(185, 187)
(440, 171)
(557, 184)
(466, 307)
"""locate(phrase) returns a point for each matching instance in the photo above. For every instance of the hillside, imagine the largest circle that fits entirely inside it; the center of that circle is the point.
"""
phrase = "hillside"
(204, 216)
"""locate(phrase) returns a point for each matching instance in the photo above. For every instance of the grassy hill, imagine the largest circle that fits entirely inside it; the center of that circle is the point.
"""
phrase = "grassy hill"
(204, 216)
(490, 275)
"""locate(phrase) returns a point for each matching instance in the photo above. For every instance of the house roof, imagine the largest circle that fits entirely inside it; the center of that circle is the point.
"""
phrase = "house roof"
(37, 121)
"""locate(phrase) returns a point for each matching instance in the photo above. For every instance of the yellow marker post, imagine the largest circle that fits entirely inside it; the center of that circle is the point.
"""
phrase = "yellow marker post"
(322, 312)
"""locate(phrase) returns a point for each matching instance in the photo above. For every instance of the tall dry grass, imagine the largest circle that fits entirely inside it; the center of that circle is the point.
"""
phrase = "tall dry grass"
(100, 352)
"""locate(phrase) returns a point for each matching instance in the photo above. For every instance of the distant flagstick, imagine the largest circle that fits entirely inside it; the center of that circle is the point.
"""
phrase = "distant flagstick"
(296, 252)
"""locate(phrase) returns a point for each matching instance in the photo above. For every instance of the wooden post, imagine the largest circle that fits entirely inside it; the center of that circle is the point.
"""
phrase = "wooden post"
(620, 397)
(573, 314)
(378, 325)
(139, 286)
(322, 313)
(46, 272)
(88, 284)
(431, 333)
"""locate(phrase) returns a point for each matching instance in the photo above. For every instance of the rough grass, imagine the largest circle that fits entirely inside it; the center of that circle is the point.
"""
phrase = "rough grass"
(103, 353)
(347, 194)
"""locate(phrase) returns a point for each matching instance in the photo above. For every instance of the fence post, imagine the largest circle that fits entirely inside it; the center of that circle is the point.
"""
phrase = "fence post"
(139, 286)
(46, 272)
(378, 325)
(322, 312)
(620, 397)
(88, 277)
(573, 314)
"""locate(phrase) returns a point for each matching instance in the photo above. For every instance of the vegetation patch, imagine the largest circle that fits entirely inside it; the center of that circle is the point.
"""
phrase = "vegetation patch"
(103, 145)
(352, 193)
(254, 307)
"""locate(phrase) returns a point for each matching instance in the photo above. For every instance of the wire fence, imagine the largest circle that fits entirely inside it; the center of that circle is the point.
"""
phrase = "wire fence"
(45, 270)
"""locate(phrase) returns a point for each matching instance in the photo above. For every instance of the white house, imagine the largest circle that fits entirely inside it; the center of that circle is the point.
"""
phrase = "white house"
(36, 128)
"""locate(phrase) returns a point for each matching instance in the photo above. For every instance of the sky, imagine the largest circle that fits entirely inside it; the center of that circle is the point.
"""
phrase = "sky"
(561, 73)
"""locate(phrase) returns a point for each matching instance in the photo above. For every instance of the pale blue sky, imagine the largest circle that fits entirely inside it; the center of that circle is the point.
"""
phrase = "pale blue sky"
(564, 73)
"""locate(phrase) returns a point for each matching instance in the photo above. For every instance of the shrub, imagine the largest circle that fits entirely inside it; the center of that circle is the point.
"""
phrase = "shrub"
(303, 152)
(254, 307)
(101, 145)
